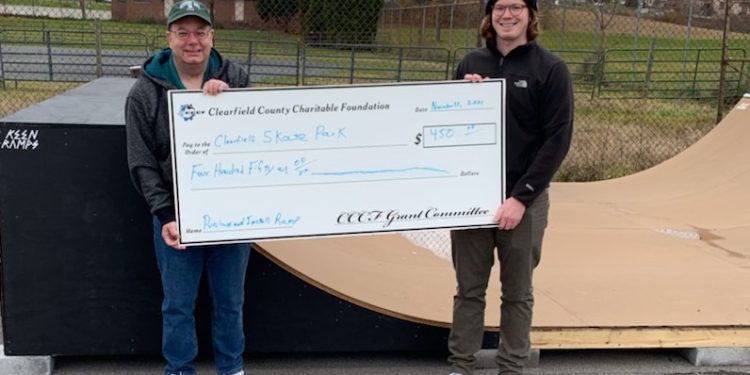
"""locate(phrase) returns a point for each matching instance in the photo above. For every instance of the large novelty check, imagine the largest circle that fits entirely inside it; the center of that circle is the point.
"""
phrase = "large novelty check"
(256, 164)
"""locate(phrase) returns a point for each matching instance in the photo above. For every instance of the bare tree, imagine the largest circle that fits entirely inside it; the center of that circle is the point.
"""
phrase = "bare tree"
(604, 12)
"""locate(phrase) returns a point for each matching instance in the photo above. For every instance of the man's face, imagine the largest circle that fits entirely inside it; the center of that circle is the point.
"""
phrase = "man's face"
(190, 39)
(510, 19)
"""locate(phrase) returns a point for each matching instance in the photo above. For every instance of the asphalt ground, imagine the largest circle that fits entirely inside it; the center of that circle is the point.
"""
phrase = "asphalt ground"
(563, 362)
(557, 362)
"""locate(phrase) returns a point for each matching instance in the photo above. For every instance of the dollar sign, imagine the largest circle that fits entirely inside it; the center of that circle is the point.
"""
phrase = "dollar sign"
(418, 139)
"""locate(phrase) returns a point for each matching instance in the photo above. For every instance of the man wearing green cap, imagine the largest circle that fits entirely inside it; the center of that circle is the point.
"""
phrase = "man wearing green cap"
(190, 62)
(539, 126)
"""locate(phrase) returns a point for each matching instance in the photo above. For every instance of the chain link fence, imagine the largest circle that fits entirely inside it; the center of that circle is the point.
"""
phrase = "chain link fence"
(651, 76)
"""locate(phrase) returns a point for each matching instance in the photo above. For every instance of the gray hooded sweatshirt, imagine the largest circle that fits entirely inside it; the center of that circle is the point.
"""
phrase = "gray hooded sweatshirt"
(147, 126)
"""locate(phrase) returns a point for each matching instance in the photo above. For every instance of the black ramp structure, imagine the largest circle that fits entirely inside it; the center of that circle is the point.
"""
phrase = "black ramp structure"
(78, 272)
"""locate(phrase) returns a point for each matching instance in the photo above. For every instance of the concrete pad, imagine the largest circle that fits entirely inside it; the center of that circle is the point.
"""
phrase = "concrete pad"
(24, 365)
(486, 359)
(718, 356)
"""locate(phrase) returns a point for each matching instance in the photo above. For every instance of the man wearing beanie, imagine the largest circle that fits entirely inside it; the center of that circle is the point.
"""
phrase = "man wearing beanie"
(190, 62)
(539, 126)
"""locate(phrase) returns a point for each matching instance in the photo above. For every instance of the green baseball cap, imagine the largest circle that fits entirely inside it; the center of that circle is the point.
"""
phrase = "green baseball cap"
(187, 8)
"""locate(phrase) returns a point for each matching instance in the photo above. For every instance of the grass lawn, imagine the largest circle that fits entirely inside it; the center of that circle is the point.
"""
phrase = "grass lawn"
(614, 138)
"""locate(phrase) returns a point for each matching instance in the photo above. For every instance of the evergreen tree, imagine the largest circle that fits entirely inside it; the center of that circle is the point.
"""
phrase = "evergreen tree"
(280, 10)
(341, 21)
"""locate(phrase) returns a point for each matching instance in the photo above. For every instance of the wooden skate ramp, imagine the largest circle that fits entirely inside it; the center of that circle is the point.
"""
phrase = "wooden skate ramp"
(660, 258)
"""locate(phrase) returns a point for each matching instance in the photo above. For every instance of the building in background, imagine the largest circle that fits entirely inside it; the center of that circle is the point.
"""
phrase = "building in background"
(225, 13)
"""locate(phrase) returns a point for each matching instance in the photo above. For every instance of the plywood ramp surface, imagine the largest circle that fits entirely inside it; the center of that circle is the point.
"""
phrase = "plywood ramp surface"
(666, 247)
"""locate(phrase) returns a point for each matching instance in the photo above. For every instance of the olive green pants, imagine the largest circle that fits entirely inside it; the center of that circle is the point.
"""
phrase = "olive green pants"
(473, 253)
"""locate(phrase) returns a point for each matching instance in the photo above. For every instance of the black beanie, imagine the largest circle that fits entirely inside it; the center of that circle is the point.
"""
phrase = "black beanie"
(490, 3)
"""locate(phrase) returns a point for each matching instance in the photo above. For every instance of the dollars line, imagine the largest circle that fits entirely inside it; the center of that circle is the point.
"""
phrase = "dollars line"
(300, 167)
(381, 171)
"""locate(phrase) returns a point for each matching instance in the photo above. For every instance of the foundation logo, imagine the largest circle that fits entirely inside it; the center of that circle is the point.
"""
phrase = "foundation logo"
(188, 112)
(16, 139)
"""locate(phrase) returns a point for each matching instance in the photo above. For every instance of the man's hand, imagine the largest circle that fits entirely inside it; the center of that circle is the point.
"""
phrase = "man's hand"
(509, 214)
(214, 87)
(475, 78)
(171, 235)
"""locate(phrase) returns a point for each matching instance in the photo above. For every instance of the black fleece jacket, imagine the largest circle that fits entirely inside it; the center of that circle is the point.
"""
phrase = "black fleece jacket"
(147, 129)
(539, 112)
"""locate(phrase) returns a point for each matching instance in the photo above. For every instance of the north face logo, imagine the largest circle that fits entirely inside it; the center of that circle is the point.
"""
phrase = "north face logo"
(521, 84)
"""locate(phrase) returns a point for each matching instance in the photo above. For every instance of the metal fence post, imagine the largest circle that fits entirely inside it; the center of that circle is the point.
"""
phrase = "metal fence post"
(351, 66)
(2, 64)
(563, 22)
(447, 64)
(249, 60)
(688, 35)
(400, 22)
(299, 60)
(98, 38)
(82, 4)
(303, 60)
(724, 63)
(739, 77)
(400, 63)
(450, 22)
(48, 40)
(481, 16)
(649, 67)
(437, 24)
(636, 37)
(423, 27)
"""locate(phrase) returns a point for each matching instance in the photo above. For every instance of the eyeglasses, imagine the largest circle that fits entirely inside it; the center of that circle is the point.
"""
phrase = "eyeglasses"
(184, 35)
(514, 9)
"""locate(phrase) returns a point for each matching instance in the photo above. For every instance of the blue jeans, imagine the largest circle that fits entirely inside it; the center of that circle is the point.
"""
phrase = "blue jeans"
(181, 270)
